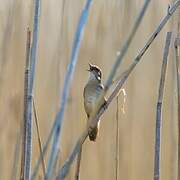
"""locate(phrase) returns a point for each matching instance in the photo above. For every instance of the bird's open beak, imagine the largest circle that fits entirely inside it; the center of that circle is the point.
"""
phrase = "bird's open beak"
(89, 67)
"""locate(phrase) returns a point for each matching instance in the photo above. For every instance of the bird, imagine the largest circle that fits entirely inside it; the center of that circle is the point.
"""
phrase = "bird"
(92, 91)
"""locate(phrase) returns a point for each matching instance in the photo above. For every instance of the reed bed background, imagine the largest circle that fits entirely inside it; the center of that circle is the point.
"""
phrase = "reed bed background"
(107, 28)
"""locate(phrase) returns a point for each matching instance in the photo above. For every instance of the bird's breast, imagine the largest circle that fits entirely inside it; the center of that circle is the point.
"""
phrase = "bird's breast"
(91, 94)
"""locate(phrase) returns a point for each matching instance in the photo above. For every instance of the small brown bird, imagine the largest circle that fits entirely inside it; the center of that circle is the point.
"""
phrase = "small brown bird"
(92, 91)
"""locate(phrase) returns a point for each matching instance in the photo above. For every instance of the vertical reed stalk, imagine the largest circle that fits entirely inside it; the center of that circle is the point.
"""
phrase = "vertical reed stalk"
(159, 109)
(26, 84)
(177, 59)
(32, 65)
(28, 94)
(117, 137)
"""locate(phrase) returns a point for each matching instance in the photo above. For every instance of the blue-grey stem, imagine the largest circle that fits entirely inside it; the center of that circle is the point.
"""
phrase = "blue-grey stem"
(26, 86)
(69, 74)
(28, 144)
(159, 109)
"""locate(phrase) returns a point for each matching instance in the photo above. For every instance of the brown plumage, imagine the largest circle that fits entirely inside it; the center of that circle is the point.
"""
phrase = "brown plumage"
(92, 91)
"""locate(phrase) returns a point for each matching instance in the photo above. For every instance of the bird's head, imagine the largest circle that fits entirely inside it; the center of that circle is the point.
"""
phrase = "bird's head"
(95, 72)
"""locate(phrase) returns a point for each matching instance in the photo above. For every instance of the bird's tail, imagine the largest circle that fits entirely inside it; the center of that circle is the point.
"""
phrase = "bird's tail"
(93, 134)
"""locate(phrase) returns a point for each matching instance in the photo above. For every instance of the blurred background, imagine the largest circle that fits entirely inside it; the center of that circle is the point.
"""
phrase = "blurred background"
(108, 25)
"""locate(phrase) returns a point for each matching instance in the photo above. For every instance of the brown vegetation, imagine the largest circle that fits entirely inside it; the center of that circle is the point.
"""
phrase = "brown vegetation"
(109, 23)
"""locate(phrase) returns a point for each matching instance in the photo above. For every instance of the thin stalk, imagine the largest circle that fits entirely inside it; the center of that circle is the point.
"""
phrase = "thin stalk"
(177, 59)
(124, 76)
(24, 123)
(39, 138)
(77, 173)
(68, 78)
(28, 148)
(117, 136)
(159, 109)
